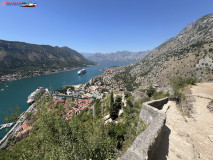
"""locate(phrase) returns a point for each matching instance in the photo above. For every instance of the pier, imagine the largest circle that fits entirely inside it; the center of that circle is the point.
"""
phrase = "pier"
(14, 130)
(2, 126)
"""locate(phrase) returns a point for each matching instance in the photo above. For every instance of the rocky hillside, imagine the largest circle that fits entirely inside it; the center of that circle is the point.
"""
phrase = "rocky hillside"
(23, 58)
(189, 54)
(121, 56)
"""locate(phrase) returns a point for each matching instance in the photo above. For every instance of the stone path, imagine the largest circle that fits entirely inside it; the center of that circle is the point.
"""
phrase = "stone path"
(189, 138)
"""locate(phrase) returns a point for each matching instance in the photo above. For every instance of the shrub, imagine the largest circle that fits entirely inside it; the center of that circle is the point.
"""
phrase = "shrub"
(159, 95)
(64, 90)
(116, 106)
(179, 83)
(150, 91)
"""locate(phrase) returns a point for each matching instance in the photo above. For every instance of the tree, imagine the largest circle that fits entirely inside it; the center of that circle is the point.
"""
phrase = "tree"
(127, 94)
(111, 99)
(150, 91)
(129, 102)
(14, 115)
(114, 109)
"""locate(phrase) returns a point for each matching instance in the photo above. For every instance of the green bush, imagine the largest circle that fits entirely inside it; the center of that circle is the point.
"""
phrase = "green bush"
(179, 83)
(159, 95)
(150, 91)
(116, 106)
(64, 89)
(82, 137)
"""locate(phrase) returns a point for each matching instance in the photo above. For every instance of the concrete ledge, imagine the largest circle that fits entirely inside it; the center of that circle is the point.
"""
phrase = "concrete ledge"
(145, 144)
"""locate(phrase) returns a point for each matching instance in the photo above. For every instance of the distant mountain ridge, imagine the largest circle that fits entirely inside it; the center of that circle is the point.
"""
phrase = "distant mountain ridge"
(23, 58)
(189, 54)
(120, 56)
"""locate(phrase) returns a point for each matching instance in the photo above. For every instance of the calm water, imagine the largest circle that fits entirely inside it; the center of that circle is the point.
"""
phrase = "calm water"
(17, 92)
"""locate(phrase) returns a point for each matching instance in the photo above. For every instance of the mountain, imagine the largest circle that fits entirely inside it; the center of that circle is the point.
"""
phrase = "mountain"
(23, 58)
(189, 54)
(87, 55)
(120, 56)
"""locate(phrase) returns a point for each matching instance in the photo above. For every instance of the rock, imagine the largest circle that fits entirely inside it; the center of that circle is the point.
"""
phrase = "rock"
(211, 138)
(210, 107)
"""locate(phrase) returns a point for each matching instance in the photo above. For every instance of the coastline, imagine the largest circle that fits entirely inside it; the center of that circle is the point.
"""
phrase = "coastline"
(32, 108)
(13, 77)
(18, 123)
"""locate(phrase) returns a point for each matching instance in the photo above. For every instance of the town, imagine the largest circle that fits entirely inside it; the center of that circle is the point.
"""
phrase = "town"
(12, 77)
(73, 98)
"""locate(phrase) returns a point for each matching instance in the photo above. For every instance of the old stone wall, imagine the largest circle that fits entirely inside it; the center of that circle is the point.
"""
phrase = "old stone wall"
(145, 144)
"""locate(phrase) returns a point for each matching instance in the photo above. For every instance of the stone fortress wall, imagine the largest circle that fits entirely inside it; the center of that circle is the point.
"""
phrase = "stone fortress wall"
(145, 144)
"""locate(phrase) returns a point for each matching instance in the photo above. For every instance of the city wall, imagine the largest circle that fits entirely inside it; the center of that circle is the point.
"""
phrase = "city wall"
(145, 144)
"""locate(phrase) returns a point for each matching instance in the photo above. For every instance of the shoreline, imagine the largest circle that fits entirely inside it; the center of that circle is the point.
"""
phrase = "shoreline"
(18, 77)
(18, 123)
(22, 118)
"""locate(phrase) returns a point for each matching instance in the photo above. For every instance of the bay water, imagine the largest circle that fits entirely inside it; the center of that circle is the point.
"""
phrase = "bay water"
(15, 95)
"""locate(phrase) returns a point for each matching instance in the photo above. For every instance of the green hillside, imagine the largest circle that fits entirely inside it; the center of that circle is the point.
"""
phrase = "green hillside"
(23, 58)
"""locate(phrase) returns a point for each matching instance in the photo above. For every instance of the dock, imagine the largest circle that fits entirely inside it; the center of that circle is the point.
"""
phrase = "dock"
(2, 126)
(14, 130)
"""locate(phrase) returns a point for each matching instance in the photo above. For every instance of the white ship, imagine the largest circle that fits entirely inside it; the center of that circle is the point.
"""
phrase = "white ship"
(82, 71)
(38, 92)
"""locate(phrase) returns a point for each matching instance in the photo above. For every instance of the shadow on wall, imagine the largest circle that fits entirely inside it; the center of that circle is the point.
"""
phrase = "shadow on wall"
(147, 143)
(163, 149)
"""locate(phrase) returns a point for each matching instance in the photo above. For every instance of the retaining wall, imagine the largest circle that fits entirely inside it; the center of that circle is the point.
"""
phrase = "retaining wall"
(145, 144)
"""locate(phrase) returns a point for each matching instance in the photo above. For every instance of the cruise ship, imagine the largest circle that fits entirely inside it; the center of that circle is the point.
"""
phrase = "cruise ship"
(38, 92)
(82, 71)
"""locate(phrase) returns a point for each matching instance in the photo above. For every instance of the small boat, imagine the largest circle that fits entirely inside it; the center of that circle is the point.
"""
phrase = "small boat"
(6, 86)
(82, 71)
(2, 90)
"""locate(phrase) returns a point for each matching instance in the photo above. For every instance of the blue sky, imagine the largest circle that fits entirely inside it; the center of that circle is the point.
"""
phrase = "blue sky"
(100, 25)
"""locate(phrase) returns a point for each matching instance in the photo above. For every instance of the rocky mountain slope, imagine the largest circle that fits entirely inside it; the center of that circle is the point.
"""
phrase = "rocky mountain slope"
(120, 56)
(189, 54)
(23, 58)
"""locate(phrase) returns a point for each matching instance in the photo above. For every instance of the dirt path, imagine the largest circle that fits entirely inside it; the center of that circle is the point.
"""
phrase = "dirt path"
(189, 138)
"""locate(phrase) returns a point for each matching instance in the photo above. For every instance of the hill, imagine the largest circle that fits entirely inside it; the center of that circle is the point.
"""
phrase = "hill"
(120, 56)
(189, 54)
(24, 58)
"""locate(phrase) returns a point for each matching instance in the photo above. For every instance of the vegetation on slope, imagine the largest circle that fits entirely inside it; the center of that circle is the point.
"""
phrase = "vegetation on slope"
(179, 83)
(127, 79)
(180, 88)
(189, 54)
(81, 137)
(24, 58)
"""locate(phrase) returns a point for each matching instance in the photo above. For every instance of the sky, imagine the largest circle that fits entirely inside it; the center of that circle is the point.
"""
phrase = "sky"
(100, 25)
